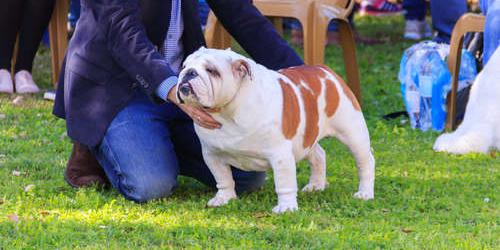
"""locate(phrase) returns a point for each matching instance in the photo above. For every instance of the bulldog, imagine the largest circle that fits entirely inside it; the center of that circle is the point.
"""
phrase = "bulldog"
(480, 129)
(272, 120)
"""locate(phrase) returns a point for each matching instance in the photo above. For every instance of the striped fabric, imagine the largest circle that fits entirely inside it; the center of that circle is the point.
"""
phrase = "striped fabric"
(172, 46)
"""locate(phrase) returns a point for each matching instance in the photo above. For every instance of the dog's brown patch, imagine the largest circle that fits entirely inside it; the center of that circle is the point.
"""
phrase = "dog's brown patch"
(345, 88)
(310, 77)
(312, 117)
(290, 117)
(332, 98)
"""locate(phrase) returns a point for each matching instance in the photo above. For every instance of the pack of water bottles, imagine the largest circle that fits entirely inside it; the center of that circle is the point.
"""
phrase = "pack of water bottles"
(426, 81)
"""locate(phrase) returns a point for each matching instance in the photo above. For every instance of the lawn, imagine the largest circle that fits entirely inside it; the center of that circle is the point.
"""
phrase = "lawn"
(424, 200)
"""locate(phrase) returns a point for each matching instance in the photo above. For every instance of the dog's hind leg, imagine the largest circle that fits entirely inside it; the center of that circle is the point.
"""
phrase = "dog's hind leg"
(317, 162)
(350, 129)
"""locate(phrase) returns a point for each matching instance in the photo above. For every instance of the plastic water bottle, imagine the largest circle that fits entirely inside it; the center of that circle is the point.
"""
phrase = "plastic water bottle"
(413, 103)
(426, 81)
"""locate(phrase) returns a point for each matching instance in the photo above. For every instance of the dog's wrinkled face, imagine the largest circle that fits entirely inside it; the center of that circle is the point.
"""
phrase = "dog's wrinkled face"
(211, 78)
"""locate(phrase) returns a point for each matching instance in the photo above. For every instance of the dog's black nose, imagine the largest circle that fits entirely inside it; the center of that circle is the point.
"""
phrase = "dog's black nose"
(190, 74)
(185, 88)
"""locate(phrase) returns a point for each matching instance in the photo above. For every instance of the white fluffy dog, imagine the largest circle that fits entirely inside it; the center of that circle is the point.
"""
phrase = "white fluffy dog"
(480, 129)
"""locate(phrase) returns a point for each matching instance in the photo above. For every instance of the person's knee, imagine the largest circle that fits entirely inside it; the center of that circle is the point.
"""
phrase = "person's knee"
(150, 189)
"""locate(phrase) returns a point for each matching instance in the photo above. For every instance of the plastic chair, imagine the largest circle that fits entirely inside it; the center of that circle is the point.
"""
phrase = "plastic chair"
(217, 37)
(467, 23)
(324, 12)
(314, 16)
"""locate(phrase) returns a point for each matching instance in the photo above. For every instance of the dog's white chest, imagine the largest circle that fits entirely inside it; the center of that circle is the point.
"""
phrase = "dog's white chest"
(248, 150)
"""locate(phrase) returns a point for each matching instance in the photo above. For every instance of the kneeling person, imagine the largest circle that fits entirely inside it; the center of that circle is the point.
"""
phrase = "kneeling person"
(113, 83)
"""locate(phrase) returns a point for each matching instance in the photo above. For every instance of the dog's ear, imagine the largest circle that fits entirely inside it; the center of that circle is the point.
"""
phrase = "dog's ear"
(241, 69)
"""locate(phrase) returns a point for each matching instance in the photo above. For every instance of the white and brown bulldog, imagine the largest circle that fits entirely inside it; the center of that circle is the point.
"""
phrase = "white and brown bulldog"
(272, 120)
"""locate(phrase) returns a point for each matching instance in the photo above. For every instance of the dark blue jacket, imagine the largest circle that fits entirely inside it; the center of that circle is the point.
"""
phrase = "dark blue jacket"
(113, 51)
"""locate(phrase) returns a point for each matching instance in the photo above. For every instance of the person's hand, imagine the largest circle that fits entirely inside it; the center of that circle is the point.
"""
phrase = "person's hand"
(199, 116)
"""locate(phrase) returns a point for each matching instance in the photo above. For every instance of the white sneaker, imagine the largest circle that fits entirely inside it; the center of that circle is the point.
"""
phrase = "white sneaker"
(24, 83)
(6, 85)
(417, 30)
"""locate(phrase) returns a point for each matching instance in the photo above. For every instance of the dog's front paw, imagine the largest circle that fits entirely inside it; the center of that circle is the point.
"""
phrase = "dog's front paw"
(221, 198)
(364, 195)
(311, 187)
(285, 207)
(443, 143)
(461, 143)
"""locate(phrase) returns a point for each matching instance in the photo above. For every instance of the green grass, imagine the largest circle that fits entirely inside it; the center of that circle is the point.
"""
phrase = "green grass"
(424, 200)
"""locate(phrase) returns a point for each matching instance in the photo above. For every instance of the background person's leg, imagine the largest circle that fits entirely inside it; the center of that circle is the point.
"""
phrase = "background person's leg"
(188, 149)
(444, 17)
(10, 21)
(491, 29)
(136, 152)
(415, 9)
(416, 27)
(36, 17)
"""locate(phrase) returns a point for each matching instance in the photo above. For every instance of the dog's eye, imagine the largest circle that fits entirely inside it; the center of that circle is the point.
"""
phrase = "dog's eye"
(212, 71)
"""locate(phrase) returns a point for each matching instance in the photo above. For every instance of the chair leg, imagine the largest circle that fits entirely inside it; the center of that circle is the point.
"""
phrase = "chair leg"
(454, 60)
(54, 49)
(215, 35)
(348, 44)
(223, 39)
(318, 40)
(14, 56)
(58, 37)
(210, 30)
(308, 42)
(467, 23)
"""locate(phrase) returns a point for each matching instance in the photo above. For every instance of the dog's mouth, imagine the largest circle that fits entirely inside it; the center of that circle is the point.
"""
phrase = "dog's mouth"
(187, 95)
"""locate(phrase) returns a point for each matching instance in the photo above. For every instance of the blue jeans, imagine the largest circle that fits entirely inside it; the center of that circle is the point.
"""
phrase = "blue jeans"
(491, 8)
(147, 146)
(445, 14)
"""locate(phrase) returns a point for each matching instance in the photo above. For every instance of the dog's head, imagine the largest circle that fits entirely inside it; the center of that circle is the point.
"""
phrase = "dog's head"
(211, 78)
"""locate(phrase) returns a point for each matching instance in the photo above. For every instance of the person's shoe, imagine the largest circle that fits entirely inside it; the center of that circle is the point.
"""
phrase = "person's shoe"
(380, 8)
(413, 30)
(6, 85)
(24, 83)
(83, 169)
(417, 30)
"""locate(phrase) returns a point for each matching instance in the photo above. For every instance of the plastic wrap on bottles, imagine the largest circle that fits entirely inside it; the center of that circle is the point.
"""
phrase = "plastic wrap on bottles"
(426, 80)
